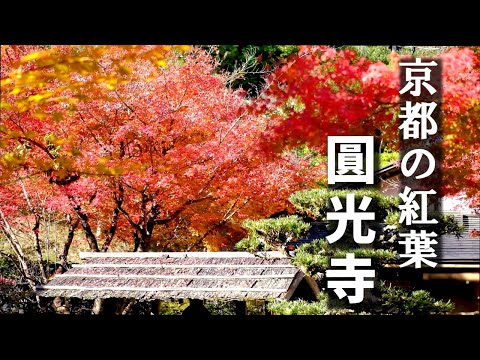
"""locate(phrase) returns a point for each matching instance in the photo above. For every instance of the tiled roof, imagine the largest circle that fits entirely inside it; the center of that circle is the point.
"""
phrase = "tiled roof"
(148, 276)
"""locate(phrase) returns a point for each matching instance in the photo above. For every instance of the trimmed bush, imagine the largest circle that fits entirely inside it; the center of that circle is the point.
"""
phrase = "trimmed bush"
(269, 234)
(396, 300)
(315, 257)
(315, 203)
(302, 307)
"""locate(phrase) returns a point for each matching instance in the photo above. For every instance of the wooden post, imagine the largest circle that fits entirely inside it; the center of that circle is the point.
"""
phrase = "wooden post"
(97, 306)
(313, 285)
(240, 308)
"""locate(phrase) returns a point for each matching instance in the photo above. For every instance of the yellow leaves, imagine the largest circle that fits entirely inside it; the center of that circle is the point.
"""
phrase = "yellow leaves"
(63, 163)
(73, 100)
(84, 59)
(102, 168)
(11, 133)
(103, 160)
(58, 71)
(5, 105)
(15, 91)
(32, 56)
(75, 152)
(10, 160)
(57, 117)
(184, 47)
(6, 81)
(61, 67)
(41, 96)
(117, 170)
(152, 76)
(53, 140)
(40, 115)
(110, 82)
(110, 86)
(123, 70)
(21, 105)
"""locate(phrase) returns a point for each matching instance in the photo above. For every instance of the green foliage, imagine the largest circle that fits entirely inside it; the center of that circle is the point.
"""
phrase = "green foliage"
(297, 307)
(315, 203)
(171, 307)
(255, 307)
(374, 53)
(275, 228)
(15, 294)
(449, 225)
(315, 257)
(392, 218)
(389, 237)
(250, 63)
(252, 244)
(379, 257)
(418, 302)
(387, 158)
(382, 53)
(446, 225)
(304, 151)
(220, 307)
(267, 234)
(391, 300)
(5, 266)
(302, 307)
(311, 203)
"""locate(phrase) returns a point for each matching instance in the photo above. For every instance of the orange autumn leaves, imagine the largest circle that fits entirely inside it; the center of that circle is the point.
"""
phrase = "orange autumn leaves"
(162, 154)
(149, 142)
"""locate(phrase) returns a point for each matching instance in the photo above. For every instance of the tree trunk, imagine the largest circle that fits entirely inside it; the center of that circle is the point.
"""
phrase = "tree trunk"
(142, 240)
(36, 234)
(38, 249)
(115, 215)
(111, 230)
(136, 241)
(15, 244)
(89, 235)
(72, 225)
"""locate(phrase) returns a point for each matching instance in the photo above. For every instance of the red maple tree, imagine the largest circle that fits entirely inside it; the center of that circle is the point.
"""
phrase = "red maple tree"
(162, 154)
(321, 91)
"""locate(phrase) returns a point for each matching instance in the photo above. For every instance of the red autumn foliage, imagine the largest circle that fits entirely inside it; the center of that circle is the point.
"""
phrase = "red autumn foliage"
(322, 91)
(162, 156)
